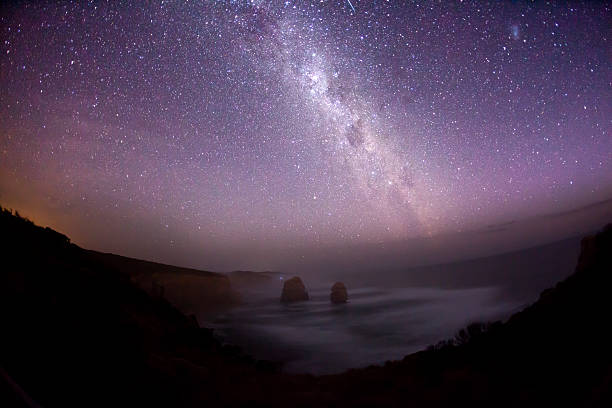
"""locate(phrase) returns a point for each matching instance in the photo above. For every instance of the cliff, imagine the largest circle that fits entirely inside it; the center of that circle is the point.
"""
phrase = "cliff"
(77, 331)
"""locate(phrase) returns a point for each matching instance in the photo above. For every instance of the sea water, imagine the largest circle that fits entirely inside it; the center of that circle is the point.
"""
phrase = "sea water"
(376, 325)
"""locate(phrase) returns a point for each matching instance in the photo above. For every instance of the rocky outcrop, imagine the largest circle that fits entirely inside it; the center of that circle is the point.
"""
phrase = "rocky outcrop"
(338, 293)
(294, 290)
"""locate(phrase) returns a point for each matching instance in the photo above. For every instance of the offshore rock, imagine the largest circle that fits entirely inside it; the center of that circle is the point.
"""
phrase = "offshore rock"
(294, 290)
(338, 293)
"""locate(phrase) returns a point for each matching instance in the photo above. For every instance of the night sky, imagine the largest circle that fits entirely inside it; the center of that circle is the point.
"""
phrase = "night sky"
(240, 134)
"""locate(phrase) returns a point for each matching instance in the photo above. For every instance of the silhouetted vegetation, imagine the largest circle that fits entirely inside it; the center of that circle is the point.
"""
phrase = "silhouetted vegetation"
(76, 332)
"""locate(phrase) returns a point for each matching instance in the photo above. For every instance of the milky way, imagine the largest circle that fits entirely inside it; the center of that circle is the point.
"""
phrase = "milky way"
(219, 126)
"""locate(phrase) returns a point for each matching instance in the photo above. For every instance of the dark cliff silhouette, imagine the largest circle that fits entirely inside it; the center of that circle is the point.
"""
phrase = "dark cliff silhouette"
(77, 331)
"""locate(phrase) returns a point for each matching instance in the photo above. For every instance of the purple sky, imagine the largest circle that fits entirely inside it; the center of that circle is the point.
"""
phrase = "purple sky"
(239, 134)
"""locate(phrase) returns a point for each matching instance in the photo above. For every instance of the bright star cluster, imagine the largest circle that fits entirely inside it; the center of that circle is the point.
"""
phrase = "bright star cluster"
(255, 126)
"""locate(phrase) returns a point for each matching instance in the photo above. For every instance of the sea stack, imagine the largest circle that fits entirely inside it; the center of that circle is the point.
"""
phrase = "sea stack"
(338, 293)
(294, 290)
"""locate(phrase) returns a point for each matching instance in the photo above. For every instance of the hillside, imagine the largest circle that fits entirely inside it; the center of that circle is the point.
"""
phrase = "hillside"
(77, 331)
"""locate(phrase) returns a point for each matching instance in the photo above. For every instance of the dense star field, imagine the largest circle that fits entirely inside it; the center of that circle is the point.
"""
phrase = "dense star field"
(239, 129)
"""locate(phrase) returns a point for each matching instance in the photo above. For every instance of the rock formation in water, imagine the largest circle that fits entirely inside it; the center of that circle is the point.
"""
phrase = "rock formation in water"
(338, 293)
(294, 290)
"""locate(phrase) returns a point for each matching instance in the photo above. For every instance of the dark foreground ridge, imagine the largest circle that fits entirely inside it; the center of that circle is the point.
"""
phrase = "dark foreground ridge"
(77, 331)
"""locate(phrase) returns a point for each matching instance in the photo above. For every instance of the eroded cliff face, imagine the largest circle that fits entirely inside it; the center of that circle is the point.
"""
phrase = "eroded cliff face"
(194, 294)
(192, 291)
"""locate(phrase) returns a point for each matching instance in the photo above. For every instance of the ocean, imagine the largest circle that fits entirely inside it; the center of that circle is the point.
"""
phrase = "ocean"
(376, 325)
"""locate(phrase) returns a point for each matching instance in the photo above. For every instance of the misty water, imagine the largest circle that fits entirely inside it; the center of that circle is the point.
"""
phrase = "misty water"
(378, 324)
